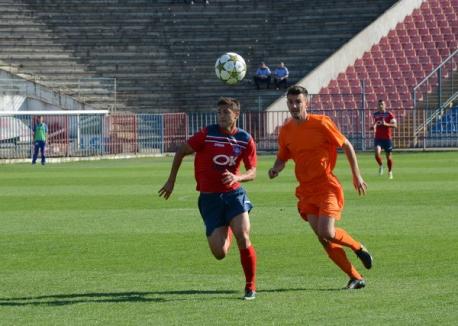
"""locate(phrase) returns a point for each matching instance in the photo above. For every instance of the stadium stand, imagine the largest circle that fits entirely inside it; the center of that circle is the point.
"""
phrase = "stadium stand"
(162, 52)
(402, 59)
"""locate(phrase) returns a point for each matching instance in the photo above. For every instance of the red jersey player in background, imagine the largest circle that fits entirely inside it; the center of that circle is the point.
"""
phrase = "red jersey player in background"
(223, 203)
(383, 122)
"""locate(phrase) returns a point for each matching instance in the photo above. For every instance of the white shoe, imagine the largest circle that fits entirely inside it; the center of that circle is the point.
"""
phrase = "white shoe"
(390, 175)
(380, 170)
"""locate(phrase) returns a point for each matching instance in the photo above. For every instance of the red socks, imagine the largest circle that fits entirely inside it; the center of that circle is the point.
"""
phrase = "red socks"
(248, 260)
(389, 163)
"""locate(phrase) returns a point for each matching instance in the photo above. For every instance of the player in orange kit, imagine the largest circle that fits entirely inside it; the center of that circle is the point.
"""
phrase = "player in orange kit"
(311, 141)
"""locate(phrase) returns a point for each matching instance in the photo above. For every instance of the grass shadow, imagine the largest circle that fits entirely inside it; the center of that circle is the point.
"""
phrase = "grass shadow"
(100, 297)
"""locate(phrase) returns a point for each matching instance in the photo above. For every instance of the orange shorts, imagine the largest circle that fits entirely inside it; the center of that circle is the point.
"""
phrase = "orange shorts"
(325, 199)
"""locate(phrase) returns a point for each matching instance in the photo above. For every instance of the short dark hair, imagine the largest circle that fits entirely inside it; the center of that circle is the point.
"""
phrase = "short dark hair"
(296, 90)
(230, 102)
(380, 101)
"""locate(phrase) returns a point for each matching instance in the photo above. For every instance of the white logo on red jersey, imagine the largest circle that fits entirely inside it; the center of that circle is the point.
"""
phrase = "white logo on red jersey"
(224, 160)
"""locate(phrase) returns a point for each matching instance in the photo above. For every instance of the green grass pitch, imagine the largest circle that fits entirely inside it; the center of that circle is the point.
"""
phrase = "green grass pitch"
(91, 243)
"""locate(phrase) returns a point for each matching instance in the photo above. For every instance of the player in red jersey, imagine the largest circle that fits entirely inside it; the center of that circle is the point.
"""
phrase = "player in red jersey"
(383, 123)
(311, 141)
(223, 203)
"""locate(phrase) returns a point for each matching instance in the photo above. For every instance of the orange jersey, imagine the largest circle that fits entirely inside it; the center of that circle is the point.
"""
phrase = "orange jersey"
(312, 145)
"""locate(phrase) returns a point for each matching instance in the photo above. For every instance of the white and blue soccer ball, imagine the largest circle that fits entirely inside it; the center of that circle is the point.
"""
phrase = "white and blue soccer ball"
(230, 68)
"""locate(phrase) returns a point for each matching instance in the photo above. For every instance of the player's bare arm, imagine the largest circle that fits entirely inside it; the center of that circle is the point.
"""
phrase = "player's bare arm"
(279, 165)
(167, 189)
(231, 178)
(358, 182)
(392, 124)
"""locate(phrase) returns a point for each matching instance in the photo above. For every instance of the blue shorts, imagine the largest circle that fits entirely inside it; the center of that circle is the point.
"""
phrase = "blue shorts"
(219, 208)
(386, 144)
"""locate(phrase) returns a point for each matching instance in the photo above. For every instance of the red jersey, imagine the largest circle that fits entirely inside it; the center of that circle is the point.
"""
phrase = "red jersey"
(383, 132)
(218, 151)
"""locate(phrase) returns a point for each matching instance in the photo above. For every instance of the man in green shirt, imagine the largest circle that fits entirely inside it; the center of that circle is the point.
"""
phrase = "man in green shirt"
(40, 133)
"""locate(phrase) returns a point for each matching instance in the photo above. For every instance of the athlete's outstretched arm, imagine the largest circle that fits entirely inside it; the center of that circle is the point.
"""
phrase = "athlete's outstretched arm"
(181, 152)
(279, 165)
(358, 182)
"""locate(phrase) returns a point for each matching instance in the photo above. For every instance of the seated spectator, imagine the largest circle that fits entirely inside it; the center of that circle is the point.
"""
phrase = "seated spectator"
(263, 75)
(281, 74)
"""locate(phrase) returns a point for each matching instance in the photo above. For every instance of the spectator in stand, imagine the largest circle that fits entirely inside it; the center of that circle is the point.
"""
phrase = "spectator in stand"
(281, 74)
(263, 75)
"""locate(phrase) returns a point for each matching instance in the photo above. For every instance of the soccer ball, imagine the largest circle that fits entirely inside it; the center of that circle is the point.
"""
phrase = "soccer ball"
(230, 68)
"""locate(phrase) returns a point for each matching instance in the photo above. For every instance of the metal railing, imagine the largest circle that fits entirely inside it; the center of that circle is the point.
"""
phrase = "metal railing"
(433, 96)
(100, 134)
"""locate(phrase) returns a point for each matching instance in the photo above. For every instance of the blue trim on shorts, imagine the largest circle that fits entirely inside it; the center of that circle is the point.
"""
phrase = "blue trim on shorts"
(386, 144)
(219, 208)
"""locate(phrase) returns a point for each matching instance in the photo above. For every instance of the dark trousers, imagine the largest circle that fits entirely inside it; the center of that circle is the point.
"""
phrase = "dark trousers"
(283, 83)
(39, 145)
(259, 80)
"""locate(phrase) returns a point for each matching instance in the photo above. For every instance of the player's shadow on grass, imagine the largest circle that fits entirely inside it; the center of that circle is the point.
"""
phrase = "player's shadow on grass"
(301, 290)
(115, 297)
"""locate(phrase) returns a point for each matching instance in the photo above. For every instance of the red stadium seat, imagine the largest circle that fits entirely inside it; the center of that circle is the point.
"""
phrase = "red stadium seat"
(352, 76)
(368, 62)
(390, 89)
(395, 104)
(373, 74)
(404, 67)
(408, 19)
(401, 60)
(354, 82)
(421, 52)
(426, 37)
(377, 55)
(434, 31)
(410, 54)
(421, 25)
(441, 45)
(333, 90)
(342, 83)
(344, 90)
(388, 53)
(350, 69)
(404, 39)
(401, 32)
(379, 61)
(363, 75)
(427, 67)
(444, 52)
(390, 61)
(379, 89)
(415, 39)
(396, 74)
(356, 90)
(341, 76)
(410, 25)
(388, 82)
(407, 46)
(382, 69)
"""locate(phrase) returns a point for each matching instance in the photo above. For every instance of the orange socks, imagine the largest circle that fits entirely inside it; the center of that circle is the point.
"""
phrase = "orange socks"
(338, 256)
(344, 239)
